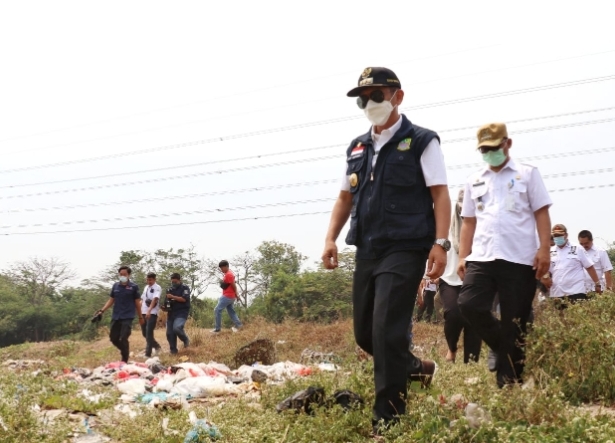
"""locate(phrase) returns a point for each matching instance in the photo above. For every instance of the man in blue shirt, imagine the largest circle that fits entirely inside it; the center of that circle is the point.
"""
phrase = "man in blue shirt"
(126, 301)
(178, 300)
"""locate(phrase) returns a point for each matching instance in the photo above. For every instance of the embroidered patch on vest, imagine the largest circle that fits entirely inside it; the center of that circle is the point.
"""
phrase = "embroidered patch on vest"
(404, 145)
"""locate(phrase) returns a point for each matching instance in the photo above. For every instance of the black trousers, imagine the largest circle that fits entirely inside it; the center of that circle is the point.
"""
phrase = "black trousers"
(384, 293)
(120, 331)
(428, 306)
(515, 285)
(454, 324)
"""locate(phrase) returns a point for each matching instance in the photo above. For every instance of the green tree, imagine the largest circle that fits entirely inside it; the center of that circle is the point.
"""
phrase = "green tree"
(274, 257)
(39, 279)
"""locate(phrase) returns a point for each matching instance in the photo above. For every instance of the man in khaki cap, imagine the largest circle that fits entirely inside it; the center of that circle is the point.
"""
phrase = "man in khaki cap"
(505, 204)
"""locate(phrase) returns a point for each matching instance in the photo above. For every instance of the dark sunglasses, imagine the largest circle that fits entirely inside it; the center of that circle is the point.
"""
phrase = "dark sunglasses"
(376, 96)
(485, 149)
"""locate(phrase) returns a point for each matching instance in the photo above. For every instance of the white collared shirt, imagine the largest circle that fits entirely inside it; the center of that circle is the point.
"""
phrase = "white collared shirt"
(567, 268)
(150, 293)
(602, 264)
(504, 203)
(450, 275)
(432, 159)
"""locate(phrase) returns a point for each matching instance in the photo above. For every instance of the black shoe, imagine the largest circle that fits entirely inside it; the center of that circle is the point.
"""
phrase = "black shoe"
(425, 375)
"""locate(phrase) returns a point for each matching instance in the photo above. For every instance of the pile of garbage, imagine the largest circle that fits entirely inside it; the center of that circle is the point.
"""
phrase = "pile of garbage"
(157, 385)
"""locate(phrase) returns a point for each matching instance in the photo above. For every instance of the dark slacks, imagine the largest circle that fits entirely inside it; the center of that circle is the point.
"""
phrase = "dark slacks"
(454, 324)
(515, 285)
(429, 298)
(384, 293)
(119, 333)
(147, 329)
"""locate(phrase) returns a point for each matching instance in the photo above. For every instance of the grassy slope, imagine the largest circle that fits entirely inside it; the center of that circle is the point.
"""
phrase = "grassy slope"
(523, 415)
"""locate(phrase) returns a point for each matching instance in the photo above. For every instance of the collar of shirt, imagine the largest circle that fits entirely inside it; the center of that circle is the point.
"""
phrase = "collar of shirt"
(509, 165)
(381, 139)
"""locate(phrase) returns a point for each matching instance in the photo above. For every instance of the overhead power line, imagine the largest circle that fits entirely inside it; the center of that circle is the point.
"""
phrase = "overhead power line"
(285, 163)
(172, 214)
(175, 197)
(313, 124)
(265, 205)
(264, 217)
(288, 185)
(294, 151)
(238, 94)
(235, 115)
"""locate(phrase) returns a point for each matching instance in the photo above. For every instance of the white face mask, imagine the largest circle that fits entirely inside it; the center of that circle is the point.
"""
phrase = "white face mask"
(379, 113)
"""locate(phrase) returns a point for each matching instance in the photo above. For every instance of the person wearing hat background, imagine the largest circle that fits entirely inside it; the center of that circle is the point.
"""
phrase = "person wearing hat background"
(566, 277)
(394, 190)
(602, 264)
(179, 296)
(504, 205)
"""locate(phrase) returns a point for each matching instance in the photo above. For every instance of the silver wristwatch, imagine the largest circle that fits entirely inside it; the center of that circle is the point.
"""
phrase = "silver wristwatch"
(444, 243)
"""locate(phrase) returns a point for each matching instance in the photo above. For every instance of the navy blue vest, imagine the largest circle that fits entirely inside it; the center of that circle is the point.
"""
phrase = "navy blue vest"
(392, 208)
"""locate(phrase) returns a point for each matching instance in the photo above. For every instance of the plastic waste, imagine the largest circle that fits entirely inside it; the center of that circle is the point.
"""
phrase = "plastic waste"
(303, 400)
(198, 387)
(476, 415)
(201, 431)
(134, 387)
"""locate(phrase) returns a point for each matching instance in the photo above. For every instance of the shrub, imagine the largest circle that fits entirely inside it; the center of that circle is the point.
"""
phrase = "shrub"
(574, 349)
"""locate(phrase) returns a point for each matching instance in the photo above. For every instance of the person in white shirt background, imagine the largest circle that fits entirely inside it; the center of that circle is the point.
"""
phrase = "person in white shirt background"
(504, 205)
(427, 296)
(450, 287)
(149, 311)
(602, 264)
(566, 277)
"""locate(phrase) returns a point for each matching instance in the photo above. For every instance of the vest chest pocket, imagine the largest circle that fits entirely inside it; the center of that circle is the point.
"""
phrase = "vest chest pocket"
(355, 173)
(400, 169)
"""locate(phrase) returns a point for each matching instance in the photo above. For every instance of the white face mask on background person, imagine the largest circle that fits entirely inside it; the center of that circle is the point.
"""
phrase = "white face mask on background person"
(379, 113)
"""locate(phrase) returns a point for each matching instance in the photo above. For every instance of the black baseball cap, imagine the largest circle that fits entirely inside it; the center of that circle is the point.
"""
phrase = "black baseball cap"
(375, 77)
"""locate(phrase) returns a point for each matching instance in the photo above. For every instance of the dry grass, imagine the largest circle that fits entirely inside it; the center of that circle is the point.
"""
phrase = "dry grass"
(291, 338)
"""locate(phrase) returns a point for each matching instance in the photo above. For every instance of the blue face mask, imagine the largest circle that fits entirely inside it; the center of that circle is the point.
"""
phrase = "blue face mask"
(494, 158)
(559, 241)
(123, 279)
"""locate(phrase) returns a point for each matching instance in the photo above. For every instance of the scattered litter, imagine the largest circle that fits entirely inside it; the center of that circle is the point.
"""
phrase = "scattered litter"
(23, 364)
(201, 431)
(89, 396)
(476, 415)
(459, 401)
(127, 410)
(91, 438)
(304, 400)
(134, 387)
(328, 367)
(472, 381)
(258, 376)
(347, 399)
(310, 357)
(529, 384)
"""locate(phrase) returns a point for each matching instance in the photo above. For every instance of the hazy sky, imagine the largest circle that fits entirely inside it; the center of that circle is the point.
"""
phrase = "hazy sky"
(84, 80)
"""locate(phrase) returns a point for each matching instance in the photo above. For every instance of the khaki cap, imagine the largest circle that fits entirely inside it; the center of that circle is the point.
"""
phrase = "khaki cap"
(559, 229)
(492, 134)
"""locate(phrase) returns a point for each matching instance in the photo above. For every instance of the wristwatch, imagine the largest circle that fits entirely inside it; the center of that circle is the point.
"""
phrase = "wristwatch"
(444, 243)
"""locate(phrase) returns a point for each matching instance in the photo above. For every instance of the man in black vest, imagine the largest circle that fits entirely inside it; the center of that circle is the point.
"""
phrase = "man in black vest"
(396, 195)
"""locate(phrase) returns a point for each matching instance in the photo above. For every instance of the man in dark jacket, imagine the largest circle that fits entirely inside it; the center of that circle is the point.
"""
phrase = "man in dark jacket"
(178, 308)
(395, 192)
